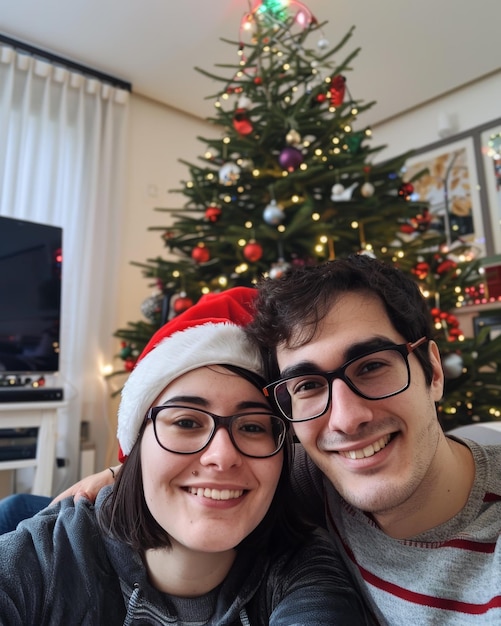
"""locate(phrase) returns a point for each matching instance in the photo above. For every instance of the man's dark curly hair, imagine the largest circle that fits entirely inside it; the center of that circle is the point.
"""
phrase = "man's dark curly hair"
(288, 309)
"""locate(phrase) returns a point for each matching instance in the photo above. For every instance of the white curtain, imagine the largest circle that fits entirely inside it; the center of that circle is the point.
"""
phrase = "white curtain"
(62, 149)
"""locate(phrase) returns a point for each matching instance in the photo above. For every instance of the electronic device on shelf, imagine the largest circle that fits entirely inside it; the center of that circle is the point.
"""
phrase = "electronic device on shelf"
(30, 394)
(30, 308)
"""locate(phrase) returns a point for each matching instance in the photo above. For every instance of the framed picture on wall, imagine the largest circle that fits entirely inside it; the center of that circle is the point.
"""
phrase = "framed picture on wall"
(451, 189)
(490, 141)
(492, 322)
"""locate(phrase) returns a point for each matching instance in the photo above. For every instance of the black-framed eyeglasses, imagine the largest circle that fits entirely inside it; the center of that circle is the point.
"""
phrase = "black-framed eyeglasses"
(185, 430)
(380, 373)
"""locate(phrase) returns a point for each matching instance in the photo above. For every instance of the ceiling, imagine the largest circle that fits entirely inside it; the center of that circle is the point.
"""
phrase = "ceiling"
(412, 52)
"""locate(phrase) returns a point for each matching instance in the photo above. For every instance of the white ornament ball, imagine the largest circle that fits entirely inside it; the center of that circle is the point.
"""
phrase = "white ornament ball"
(452, 365)
(273, 214)
(277, 269)
(323, 43)
(244, 102)
(229, 174)
(336, 190)
(367, 190)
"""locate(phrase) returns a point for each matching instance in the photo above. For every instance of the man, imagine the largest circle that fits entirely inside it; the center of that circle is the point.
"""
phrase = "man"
(416, 514)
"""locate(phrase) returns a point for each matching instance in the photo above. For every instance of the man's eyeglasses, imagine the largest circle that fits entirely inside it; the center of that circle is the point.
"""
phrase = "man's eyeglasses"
(185, 430)
(378, 374)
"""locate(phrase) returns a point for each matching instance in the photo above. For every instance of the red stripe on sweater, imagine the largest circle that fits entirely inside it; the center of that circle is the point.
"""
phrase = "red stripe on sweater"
(467, 544)
(492, 497)
(430, 601)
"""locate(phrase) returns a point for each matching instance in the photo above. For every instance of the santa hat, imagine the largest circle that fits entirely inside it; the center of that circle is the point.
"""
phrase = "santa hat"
(208, 333)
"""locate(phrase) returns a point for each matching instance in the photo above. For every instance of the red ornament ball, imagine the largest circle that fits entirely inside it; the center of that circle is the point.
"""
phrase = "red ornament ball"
(407, 229)
(181, 304)
(213, 213)
(242, 123)
(421, 270)
(446, 266)
(406, 189)
(253, 251)
(129, 364)
(258, 80)
(200, 254)
(423, 220)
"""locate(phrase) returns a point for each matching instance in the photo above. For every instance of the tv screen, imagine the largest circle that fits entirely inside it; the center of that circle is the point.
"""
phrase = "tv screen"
(30, 296)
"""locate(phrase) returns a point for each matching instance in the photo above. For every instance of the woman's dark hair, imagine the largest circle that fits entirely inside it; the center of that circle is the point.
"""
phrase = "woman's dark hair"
(126, 516)
(289, 309)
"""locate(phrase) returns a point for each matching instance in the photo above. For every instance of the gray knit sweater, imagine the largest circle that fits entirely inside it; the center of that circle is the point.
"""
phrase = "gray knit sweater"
(449, 575)
(59, 568)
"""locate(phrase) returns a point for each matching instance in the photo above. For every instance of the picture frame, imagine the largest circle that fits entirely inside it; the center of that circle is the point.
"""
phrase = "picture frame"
(491, 320)
(490, 159)
(451, 189)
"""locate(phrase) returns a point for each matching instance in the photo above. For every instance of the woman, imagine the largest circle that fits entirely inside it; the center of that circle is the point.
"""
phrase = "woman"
(197, 528)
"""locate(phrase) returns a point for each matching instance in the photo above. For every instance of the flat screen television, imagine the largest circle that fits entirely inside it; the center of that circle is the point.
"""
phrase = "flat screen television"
(30, 297)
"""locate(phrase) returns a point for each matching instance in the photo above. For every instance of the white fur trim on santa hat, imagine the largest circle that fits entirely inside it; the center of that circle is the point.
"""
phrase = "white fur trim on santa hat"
(181, 352)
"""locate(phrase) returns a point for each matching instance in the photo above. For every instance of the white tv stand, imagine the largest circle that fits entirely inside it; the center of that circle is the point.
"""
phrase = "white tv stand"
(41, 415)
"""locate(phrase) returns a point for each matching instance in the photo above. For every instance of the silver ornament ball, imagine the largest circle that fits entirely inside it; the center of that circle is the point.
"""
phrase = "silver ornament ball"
(452, 365)
(273, 214)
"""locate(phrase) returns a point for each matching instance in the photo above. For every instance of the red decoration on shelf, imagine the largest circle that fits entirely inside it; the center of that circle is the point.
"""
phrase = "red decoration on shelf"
(493, 280)
(337, 90)
(213, 213)
(200, 254)
(253, 251)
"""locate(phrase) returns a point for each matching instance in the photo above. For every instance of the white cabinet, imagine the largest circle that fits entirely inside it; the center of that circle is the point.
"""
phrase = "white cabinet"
(42, 415)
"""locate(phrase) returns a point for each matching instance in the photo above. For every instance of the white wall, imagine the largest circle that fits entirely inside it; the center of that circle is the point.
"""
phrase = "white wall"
(470, 106)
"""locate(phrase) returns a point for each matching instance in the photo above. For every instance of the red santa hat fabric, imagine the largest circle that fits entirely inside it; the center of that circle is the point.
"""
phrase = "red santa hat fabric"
(208, 333)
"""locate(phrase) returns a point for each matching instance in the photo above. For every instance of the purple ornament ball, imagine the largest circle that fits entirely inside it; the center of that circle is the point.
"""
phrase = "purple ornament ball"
(290, 158)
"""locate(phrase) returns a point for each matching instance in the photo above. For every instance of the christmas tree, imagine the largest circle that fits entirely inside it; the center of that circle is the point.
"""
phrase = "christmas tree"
(290, 178)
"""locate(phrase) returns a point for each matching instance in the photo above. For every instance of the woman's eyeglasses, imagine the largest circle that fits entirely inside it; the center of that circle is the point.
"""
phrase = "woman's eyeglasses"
(185, 430)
